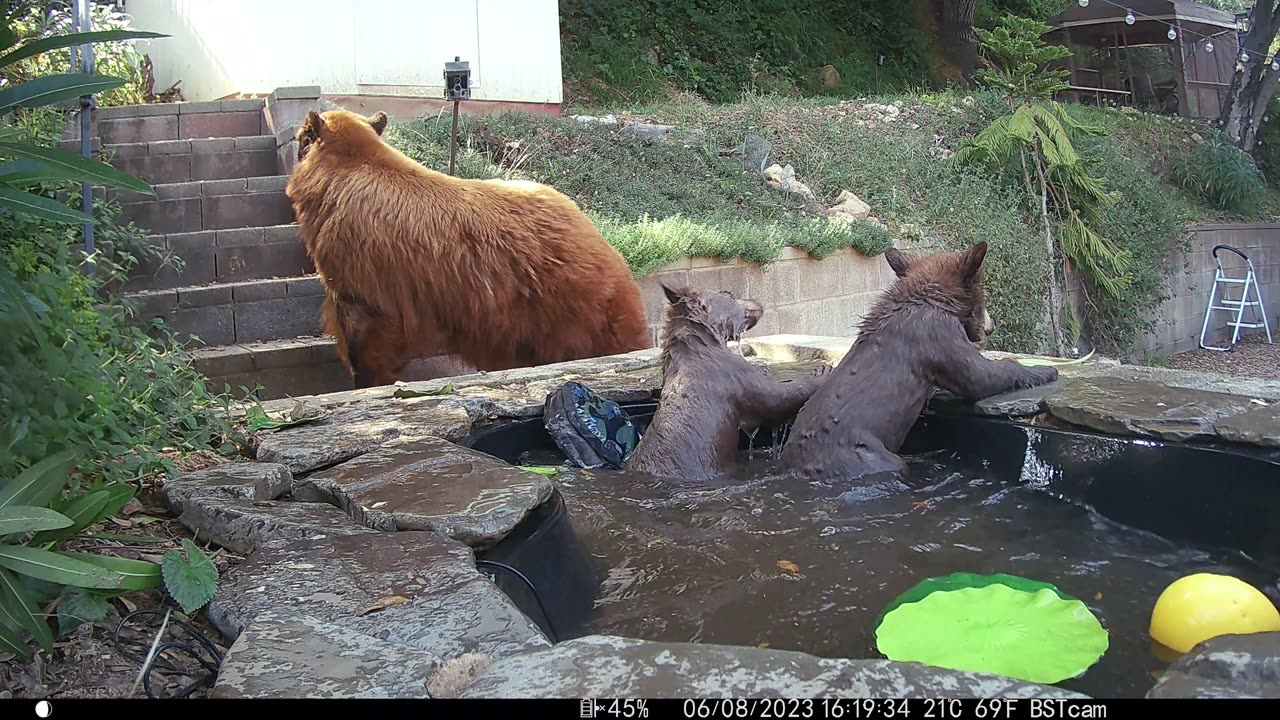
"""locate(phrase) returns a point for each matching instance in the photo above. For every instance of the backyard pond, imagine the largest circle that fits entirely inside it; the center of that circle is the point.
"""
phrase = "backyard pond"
(760, 560)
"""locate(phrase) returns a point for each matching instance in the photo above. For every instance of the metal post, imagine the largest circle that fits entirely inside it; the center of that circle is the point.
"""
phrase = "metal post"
(453, 138)
(84, 11)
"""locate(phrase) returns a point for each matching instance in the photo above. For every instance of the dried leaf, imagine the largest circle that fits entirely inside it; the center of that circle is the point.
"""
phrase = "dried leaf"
(382, 604)
(788, 566)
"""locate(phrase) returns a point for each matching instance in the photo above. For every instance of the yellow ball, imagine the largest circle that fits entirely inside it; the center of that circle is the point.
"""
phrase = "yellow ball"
(1202, 606)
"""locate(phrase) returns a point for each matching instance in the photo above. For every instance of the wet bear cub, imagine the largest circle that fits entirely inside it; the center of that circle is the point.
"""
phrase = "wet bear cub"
(710, 393)
(921, 333)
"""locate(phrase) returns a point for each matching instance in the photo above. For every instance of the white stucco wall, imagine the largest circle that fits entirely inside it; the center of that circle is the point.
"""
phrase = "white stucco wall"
(353, 47)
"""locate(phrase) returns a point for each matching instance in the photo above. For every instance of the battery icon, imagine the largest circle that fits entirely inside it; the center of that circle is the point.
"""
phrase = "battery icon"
(587, 708)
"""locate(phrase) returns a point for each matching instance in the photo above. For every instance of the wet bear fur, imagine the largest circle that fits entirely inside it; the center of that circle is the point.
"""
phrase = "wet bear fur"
(417, 263)
(710, 393)
(921, 333)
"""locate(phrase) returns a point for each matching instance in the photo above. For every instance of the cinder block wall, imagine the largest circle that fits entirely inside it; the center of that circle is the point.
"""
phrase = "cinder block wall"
(800, 295)
(1180, 318)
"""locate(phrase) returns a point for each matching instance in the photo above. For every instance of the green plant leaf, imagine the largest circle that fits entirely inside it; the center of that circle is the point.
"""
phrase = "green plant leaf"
(26, 518)
(138, 574)
(57, 42)
(25, 203)
(80, 607)
(190, 576)
(83, 512)
(446, 389)
(54, 88)
(1035, 636)
(28, 172)
(78, 167)
(18, 610)
(39, 484)
(541, 469)
(11, 643)
(57, 568)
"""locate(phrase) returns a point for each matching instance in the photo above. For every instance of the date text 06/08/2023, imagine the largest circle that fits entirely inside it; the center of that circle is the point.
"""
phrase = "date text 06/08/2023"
(893, 709)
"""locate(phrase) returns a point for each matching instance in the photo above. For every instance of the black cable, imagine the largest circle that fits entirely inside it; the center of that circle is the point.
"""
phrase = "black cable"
(211, 663)
(555, 638)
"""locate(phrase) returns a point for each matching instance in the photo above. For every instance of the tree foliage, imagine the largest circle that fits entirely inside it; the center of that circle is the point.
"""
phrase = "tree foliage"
(1036, 136)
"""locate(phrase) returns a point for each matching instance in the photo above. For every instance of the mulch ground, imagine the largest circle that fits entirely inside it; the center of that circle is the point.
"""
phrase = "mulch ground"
(1252, 357)
(103, 660)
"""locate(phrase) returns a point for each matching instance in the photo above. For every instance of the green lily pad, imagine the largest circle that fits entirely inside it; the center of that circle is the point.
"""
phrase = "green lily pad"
(957, 581)
(1032, 636)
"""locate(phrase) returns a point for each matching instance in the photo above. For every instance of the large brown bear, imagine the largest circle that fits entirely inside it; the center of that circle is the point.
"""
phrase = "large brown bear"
(417, 263)
(922, 332)
(709, 392)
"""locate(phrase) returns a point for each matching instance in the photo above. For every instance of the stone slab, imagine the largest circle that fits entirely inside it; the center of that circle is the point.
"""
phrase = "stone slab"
(1118, 406)
(608, 666)
(432, 484)
(1259, 426)
(242, 481)
(352, 431)
(244, 526)
(282, 655)
(449, 608)
(1020, 403)
(1228, 666)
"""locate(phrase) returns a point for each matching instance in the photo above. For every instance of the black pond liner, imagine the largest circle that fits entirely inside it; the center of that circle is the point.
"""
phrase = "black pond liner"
(1202, 494)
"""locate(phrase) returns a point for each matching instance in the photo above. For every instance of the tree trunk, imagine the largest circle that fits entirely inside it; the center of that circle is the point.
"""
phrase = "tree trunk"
(958, 38)
(1052, 312)
(1252, 86)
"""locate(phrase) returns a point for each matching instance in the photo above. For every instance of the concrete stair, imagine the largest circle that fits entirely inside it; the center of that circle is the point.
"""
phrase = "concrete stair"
(246, 294)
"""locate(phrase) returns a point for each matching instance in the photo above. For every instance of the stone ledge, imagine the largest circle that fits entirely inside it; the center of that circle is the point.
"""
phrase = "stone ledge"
(285, 655)
(431, 484)
(607, 666)
(416, 589)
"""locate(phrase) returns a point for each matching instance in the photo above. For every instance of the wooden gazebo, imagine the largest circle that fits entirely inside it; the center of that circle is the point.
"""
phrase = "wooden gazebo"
(1191, 82)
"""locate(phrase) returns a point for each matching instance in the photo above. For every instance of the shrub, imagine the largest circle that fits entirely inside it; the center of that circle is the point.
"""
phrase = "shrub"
(89, 398)
(1222, 174)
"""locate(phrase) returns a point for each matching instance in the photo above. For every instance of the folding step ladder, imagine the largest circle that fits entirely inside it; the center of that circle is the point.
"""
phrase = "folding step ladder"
(1250, 282)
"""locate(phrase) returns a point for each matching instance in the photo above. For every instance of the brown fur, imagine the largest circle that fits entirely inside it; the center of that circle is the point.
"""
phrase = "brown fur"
(920, 333)
(709, 392)
(417, 263)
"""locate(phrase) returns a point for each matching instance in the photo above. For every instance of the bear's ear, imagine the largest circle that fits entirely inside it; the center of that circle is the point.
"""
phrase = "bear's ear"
(971, 261)
(313, 124)
(378, 121)
(898, 260)
(673, 296)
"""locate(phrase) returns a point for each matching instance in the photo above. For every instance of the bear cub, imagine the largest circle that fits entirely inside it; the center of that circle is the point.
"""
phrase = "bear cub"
(921, 333)
(710, 393)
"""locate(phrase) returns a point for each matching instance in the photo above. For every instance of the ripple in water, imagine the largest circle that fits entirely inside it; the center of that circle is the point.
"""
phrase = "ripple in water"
(700, 563)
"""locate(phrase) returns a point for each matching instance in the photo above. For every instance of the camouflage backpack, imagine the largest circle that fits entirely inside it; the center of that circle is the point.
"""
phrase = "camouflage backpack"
(590, 430)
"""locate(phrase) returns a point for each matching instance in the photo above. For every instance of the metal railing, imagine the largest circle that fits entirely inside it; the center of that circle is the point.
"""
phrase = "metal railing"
(82, 57)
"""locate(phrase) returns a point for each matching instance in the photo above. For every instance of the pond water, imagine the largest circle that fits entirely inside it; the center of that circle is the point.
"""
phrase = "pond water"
(801, 566)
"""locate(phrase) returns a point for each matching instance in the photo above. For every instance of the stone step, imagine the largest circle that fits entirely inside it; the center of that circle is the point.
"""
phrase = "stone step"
(186, 207)
(237, 312)
(177, 121)
(291, 367)
(223, 256)
(175, 161)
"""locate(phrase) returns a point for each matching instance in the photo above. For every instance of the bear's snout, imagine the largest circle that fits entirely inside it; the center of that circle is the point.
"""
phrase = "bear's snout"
(754, 312)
